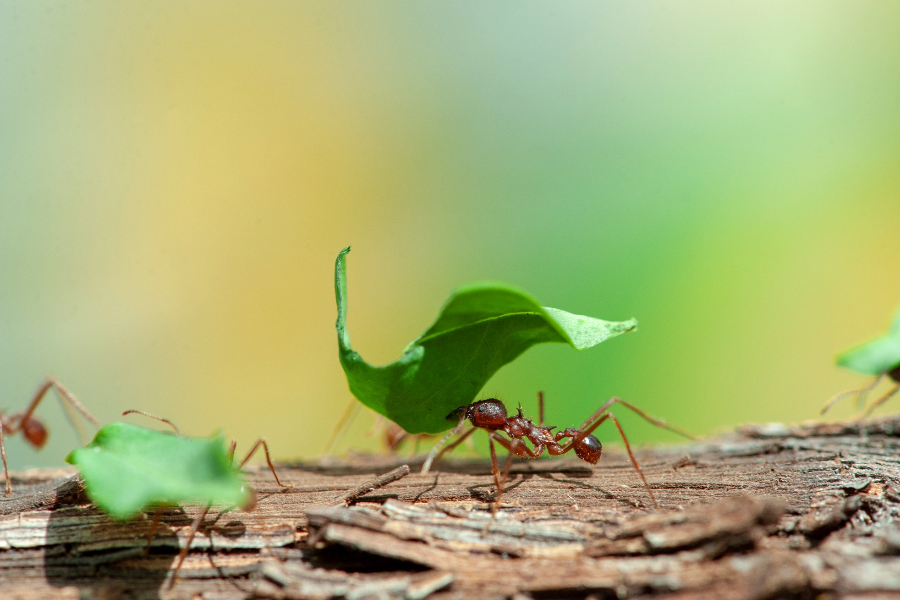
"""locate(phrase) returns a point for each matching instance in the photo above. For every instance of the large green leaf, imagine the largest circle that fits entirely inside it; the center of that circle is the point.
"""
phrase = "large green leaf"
(875, 356)
(480, 328)
(127, 468)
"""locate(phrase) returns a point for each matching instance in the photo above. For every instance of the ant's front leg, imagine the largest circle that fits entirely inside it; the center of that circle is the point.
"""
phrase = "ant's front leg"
(515, 447)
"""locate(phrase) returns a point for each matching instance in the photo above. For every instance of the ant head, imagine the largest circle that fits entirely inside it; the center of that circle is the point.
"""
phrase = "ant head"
(895, 374)
(487, 414)
(34, 431)
(589, 449)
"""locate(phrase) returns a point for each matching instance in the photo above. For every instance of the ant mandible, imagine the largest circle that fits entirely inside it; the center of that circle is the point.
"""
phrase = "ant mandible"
(491, 415)
(31, 427)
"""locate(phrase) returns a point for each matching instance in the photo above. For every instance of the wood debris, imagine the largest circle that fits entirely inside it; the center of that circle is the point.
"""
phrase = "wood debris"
(771, 511)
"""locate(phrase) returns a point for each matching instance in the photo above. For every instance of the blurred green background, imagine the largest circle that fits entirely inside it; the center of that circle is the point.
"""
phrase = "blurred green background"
(176, 180)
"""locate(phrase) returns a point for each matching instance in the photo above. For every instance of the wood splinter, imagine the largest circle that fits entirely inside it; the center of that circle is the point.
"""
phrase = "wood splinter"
(370, 486)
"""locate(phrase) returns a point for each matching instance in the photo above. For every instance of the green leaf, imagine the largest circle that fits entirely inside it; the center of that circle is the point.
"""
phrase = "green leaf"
(127, 468)
(480, 328)
(875, 356)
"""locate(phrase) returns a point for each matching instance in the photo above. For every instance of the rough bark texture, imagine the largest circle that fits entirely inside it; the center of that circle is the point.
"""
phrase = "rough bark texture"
(768, 512)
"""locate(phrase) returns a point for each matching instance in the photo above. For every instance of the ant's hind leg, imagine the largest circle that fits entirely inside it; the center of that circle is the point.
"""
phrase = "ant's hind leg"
(634, 461)
(647, 417)
(265, 447)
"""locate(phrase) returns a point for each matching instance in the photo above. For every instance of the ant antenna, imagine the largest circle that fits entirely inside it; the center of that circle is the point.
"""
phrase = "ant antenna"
(146, 414)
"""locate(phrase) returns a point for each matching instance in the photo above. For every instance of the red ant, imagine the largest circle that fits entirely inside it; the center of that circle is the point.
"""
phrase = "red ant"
(31, 427)
(491, 415)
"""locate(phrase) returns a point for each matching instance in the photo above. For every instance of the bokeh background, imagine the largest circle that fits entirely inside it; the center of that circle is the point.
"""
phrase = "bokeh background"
(176, 180)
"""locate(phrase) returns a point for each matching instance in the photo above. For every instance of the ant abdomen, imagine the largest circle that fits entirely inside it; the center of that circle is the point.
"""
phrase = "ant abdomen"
(589, 449)
(34, 431)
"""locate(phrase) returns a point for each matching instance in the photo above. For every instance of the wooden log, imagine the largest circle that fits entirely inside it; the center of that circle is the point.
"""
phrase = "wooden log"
(766, 512)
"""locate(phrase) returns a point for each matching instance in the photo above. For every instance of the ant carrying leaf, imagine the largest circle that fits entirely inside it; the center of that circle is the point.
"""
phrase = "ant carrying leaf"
(128, 468)
(491, 416)
(31, 427)
(481, 327)
(879, 358)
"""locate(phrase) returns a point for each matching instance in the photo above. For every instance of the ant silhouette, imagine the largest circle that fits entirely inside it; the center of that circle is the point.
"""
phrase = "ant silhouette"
(31, 427)
(491, 415)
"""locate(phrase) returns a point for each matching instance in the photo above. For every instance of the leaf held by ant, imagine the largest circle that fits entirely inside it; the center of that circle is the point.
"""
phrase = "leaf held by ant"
(128, 468)
(877, 356)
(481, 327)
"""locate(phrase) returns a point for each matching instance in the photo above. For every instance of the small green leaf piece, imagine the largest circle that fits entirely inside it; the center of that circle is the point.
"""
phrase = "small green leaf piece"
(875, 356)
(128, 468)
(480, 328)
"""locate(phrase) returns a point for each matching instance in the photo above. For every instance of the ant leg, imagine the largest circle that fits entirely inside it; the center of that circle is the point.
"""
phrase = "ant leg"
(583, 434)
(32, 428)
(64, 394)
(3, 455)
(633, 459)
(649, 418)
(349, 414)
(426, 466)
(265, 447)
(182, 554)
(146, 414)
(153, 527)
(881, 401)
(509, 445)
(495, 469)
(861, 394)
(518, 447)
(231, 448)
(450, 447)
(541, 407)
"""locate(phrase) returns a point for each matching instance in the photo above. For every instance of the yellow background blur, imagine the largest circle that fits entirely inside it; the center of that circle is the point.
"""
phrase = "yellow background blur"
(176, 180)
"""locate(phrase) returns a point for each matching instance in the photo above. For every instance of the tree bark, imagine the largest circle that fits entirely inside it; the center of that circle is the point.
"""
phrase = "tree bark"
(766, 512)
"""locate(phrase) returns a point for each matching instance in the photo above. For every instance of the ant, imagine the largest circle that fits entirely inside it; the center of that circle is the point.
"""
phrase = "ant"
(198, 520)
(491, 415)
(31, 427)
